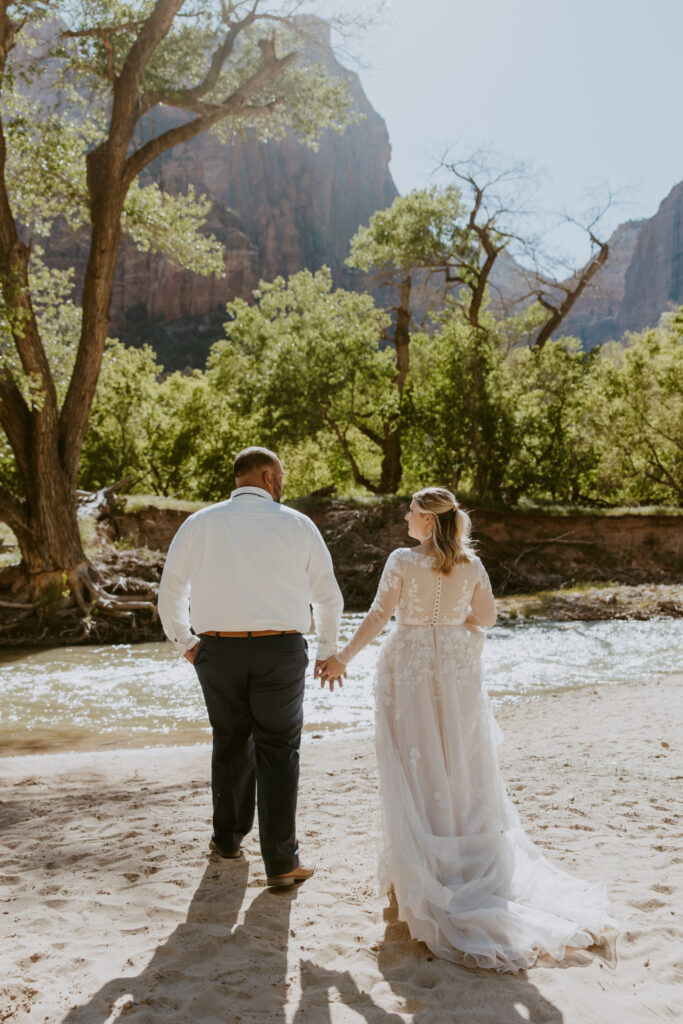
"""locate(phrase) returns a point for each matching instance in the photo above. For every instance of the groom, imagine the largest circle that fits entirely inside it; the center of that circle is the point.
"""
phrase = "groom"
(235, 598)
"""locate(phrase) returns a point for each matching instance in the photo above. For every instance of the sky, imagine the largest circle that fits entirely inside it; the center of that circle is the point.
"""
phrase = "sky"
(588, 92)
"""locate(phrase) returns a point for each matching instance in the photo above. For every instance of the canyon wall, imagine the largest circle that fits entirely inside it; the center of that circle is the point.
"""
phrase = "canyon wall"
(277, 207)
(643, 277)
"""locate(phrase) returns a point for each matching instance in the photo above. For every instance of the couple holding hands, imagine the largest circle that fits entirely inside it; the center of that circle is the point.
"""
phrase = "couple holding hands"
(235, 597)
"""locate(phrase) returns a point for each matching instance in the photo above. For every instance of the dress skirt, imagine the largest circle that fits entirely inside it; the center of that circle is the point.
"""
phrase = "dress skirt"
(468, 881)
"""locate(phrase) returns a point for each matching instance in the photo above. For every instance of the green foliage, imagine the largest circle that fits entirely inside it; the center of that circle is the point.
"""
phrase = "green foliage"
(304, 364)
(172, 226)
(558, 424)
(637, 409)
(118, 437)
(174, 435)
(80, 95)
(496, 423)
(552, 450)
(423, 229)
(461, 430)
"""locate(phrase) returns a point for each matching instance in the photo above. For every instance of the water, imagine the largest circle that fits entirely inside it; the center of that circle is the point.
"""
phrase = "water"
(98, 697)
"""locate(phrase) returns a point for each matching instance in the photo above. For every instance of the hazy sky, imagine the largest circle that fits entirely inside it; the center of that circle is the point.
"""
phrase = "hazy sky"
(589, 91)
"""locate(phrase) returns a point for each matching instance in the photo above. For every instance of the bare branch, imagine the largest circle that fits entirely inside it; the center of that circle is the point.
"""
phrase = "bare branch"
(572, 293)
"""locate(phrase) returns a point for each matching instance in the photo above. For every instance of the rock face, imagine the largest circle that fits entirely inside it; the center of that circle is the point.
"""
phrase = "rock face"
(596, 316)
(277, 208)
(642, 278)
(654, 279)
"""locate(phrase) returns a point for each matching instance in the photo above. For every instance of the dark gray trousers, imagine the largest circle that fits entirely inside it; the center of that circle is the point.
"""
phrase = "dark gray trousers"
(254, 688)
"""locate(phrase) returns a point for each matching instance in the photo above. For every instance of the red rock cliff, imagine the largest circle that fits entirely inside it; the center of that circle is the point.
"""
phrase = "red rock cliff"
(277, 207)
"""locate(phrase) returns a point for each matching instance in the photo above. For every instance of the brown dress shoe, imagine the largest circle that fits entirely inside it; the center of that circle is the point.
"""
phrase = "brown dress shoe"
(293, 877)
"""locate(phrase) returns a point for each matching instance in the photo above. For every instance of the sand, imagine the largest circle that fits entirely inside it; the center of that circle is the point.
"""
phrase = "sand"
(114, 909)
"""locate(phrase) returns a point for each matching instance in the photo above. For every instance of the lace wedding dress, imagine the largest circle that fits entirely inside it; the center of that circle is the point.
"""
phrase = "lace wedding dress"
(468, 881)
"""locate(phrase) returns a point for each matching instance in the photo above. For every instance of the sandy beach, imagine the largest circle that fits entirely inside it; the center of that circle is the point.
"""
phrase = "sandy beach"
(114, 909)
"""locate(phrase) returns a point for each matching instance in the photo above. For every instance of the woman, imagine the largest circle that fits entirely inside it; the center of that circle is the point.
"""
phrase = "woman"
(467, 879)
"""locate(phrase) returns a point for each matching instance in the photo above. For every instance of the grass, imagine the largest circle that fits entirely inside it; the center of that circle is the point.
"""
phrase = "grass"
(526, 505)
(137, 502)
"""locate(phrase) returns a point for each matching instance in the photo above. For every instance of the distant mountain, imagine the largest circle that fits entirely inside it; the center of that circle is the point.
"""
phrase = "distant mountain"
(277, 208)
(642, 277)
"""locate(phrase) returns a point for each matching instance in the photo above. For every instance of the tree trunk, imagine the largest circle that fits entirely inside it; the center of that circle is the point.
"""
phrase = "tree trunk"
(392, 470)
(49, 537)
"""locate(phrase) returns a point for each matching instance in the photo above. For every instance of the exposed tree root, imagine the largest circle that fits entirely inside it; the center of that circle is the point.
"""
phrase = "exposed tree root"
(93, 603)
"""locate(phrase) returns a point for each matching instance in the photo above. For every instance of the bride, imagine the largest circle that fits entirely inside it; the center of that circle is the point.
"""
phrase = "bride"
(468, 881)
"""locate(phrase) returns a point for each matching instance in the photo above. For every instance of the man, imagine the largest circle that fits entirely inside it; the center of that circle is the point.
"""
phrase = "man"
(242, 575)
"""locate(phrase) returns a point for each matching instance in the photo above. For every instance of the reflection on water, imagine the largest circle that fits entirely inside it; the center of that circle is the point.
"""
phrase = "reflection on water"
(143, 693)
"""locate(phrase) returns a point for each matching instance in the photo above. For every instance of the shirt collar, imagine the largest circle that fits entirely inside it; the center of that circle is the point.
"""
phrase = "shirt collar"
(260, 492)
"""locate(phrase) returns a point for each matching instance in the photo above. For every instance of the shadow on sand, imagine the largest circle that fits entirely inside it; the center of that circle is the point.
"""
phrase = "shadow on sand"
(436, 991)
(214, 970)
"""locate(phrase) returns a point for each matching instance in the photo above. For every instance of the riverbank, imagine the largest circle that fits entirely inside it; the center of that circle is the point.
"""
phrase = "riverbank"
(543, 565)
(115, 908)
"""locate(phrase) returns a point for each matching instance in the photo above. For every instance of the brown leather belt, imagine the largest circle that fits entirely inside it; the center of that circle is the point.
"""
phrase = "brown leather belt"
(249, 632)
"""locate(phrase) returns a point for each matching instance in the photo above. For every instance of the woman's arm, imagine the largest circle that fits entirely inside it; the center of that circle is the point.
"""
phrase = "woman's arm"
(482, 604)
(381, 610)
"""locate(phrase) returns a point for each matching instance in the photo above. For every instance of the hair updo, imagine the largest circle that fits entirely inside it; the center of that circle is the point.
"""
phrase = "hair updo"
(451, 534)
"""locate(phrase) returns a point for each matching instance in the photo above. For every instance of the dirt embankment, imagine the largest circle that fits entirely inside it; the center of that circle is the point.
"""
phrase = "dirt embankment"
(634, 563)
(525, 552)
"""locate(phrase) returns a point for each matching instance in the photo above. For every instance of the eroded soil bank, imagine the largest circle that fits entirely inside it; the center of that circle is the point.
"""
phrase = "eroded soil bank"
(542, 565)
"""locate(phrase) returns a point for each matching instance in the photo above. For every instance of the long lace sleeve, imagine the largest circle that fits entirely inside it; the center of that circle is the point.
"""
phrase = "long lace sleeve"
(381, 609)
(482, 605)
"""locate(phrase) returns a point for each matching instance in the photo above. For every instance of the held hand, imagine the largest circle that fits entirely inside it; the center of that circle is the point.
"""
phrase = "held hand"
(332, 671)
(192, 653)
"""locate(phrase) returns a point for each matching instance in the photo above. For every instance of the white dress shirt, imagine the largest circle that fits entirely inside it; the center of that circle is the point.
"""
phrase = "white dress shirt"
(249, 563)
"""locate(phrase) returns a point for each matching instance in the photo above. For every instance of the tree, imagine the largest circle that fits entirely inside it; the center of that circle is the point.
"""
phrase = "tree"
(637, 408)
(78, 84)
(419, 233)
(304, 360)
(438, 252)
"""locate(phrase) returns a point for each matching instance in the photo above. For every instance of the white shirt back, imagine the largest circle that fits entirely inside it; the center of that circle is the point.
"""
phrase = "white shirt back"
(249, 564)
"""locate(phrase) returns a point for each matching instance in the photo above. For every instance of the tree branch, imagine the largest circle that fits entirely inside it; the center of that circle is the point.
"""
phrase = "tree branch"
(124, 106)
(371, 434)
(209, 115)
(355, 468)
(99, 30)
(558, 313)
(188, 99)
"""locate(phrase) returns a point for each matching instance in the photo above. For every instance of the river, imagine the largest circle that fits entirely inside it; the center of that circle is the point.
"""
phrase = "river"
(138, 694)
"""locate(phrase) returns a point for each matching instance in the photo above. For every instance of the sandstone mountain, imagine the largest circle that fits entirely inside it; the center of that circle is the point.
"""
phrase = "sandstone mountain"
(642, 278)
(277, 207)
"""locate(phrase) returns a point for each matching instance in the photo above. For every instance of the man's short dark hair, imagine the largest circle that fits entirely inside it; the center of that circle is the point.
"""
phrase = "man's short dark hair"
(250, 459)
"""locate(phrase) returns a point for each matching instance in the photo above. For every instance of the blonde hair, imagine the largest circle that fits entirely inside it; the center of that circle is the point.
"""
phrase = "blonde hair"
(451, 534)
